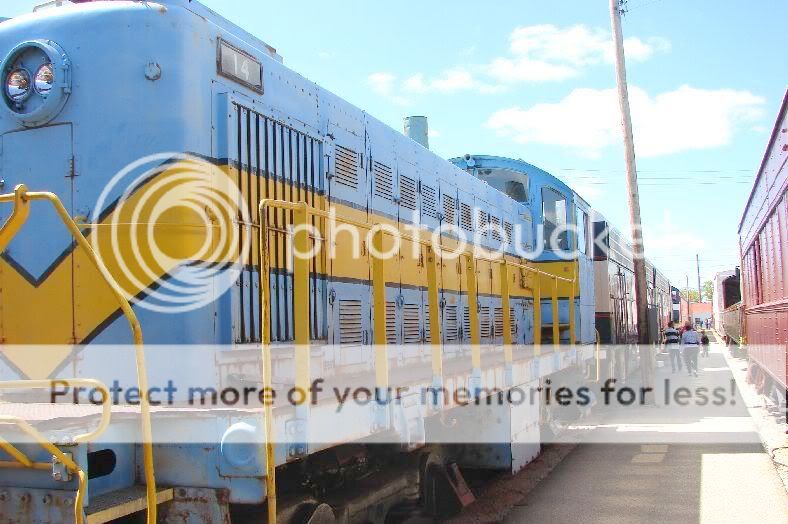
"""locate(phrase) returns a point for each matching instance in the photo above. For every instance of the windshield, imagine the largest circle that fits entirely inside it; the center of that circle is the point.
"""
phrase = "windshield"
(512, 183)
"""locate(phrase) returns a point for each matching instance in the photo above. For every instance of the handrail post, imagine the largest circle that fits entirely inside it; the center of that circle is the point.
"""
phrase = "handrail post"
(301, 326)
(18, 216)
(556, 319)
(507, 324)
(572, 327)
(473, 318)
(382, 399)
(436, 336)
(265, 326)
(537, 313)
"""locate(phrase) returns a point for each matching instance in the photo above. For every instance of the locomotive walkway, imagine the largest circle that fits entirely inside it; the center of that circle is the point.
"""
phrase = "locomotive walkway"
(729, 479)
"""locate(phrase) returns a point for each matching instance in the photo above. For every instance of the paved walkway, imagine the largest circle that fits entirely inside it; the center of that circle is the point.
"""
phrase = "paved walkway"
(695, 466)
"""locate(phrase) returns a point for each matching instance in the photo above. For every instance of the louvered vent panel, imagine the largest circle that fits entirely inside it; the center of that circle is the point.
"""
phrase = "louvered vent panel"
(427, 330)
(450, 324)
(429, 205)
(391, 323)
(514, 323)
(411, 325)
(466, 217)
(449, 209)
(347, 167)
(484, 322)
(509, 230)
(495, 224)
(482, 218)
(407, 193)
(498, 322)
(384, 180)
(350, 322)
(466, 324)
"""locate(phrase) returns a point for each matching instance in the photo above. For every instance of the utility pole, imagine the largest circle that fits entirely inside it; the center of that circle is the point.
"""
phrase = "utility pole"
(697, 263)
(689, 303)
(632, 181)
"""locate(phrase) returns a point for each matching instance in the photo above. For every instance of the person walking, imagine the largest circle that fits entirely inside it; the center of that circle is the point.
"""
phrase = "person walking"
(690, 342)
(672, 347)
(704, 344)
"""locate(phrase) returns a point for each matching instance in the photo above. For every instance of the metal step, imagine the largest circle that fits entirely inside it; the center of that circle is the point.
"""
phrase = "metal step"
(117, 504)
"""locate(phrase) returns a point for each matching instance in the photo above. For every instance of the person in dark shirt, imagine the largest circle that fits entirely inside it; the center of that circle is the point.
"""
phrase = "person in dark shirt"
(672, 340)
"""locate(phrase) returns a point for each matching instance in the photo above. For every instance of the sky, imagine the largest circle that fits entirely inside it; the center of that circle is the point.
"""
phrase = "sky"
(535, 80)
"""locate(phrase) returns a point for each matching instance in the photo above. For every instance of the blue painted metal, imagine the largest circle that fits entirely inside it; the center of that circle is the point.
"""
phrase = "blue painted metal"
(122, 108)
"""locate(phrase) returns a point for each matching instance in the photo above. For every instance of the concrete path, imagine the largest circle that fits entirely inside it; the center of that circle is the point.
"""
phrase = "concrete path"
(694, 466)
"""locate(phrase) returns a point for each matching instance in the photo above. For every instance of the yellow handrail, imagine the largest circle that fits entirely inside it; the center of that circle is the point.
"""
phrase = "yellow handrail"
(22, 198)
(301, 211)
(106, 404)
(73, 467)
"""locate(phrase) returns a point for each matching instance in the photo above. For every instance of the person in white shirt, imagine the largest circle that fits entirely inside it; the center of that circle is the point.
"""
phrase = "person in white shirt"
(690, 340)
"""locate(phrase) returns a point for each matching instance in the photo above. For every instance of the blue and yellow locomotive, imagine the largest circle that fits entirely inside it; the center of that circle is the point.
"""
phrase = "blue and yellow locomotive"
(157, 162)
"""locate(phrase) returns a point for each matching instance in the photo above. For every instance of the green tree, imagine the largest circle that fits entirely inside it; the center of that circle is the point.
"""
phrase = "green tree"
(692, 294)
(708, 290)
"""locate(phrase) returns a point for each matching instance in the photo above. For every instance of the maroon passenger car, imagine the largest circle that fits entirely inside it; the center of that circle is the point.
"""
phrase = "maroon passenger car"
(763, 242)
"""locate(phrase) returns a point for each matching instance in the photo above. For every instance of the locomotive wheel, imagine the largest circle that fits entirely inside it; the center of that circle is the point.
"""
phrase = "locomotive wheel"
(319, 514)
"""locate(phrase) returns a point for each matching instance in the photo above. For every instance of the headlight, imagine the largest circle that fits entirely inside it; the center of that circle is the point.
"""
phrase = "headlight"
(45, 79)
(36, 78)
(17, 85)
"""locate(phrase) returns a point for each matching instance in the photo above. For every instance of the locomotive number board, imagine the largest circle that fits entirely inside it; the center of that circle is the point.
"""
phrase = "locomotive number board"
(239, 66)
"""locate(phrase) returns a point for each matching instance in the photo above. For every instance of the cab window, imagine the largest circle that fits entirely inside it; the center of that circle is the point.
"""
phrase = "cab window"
(554, 213)
(582, 231)
(513, 184)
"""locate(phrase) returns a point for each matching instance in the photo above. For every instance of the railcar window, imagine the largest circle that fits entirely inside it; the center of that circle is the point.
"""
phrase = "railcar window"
(513, 183)
(554, 213)
(582, 231)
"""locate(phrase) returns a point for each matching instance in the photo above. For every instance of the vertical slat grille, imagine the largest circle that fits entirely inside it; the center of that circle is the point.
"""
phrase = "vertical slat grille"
(274, 161)
(427, 330)
(513, 328)
(350, 322)
(481, 218)
(466, 217)
(466, 323)
(391, 323)
(407, 193)
(450, 325)
(449, 209)
(498, 322)
(509, 230)
(347, 163)
(384, 181)
(495, 224)
(411, 325)
(429, 201)
(484, 322)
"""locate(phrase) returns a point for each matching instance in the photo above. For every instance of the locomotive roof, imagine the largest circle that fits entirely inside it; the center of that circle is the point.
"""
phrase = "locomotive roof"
(517, 165)
(772, 139)
(195, 7)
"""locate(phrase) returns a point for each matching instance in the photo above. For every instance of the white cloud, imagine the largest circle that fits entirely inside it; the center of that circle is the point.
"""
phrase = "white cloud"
(537, 53)
(450, 81)
(434, 133)
(544, 53)
(383, 83)
(588, 120)
(510, 70)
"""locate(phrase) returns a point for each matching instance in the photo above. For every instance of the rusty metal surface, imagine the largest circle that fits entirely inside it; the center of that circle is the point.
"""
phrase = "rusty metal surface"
(193, 505)
(22, 505)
